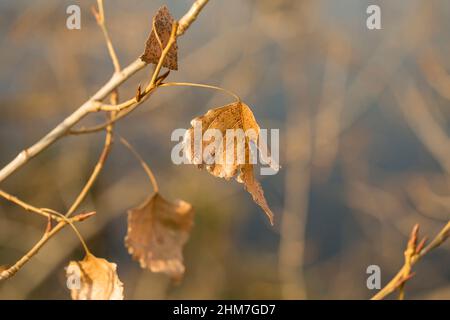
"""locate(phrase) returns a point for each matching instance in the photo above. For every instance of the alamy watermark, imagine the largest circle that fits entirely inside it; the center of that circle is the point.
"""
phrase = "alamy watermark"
(374, 279)
(231, 148)
(373, 21)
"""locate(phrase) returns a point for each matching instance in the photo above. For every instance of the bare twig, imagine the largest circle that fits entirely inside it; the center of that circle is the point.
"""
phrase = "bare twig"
(413, 253)
(190, 16)
(442, 236)
(152, 85)
(47, 236)
(95, 173)
(63, 220)
(170, 42)
(100, 17)
(60, 130)
(121, 114)
(28, 207)
(91, 105)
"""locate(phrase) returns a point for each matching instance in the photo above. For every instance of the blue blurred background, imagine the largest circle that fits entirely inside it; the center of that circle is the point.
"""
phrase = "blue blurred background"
(365, 153)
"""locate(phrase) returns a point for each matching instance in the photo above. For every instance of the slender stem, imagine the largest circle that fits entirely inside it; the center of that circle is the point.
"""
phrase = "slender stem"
(118, 107)
(190, 16)
(101, 22)
(122, 113)
(90, 106)
(5, 274)
(86, 249)
(144, 165)
(443, 235)
(95, 173)
(154, 82)
(172, 40)
(411, 258)
(189, 84)
(61, 129)
(26, 206)
(22, 261)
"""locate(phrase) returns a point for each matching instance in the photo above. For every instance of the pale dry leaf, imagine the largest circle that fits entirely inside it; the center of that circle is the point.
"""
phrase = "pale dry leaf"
(162, 27)
(214, 151)
(94, 279)
(157, 232)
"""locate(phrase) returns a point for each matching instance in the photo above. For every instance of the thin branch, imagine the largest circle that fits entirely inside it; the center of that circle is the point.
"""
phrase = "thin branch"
(5, 274)
(61, 129)
(100, 17)
(153, 84)
(63, 220)
(80, 237)
(413, 253)
(26, 206)
(170, 42)
(121, 114)
(91, 105)
(442, 236)
(95, 173)
(190, 16)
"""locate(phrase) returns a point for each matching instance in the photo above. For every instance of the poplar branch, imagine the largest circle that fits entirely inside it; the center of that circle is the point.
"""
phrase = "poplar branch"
(91, 105)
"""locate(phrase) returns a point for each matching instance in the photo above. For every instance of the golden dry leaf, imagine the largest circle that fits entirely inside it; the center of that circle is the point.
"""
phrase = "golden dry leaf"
(254, 188)
(94, 279)
(157, 232)
(158, 39)
(228, 157)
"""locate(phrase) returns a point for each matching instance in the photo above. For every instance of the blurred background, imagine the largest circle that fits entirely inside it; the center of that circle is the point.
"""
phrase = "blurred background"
(365, 153)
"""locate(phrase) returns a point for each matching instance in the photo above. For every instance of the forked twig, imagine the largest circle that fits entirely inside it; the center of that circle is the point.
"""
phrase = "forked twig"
(413, 253)
(92, 105)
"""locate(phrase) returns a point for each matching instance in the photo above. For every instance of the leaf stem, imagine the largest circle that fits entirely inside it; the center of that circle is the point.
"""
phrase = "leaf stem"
(200, 85)
(68, 221)
(144, 165)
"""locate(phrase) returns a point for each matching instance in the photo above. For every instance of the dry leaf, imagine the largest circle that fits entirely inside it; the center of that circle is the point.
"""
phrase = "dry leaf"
(236, 115)
(254, 188)
(157, 232)
(162, 25)
(94, 279)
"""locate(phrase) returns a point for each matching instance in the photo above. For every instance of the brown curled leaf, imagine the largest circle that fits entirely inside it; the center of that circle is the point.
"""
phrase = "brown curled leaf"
(227, 156)
(254, 188)
(94, 279)
(157, 232)
(158, 39)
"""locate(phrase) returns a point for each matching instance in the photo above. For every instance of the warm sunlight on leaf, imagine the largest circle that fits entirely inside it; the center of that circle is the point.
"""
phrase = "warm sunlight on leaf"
(94, 279)
(236, 115)
(157, 232)
(254, 188)
(162, 24)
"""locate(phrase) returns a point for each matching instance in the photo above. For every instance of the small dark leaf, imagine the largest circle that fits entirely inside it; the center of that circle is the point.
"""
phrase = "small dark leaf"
(162, 27)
